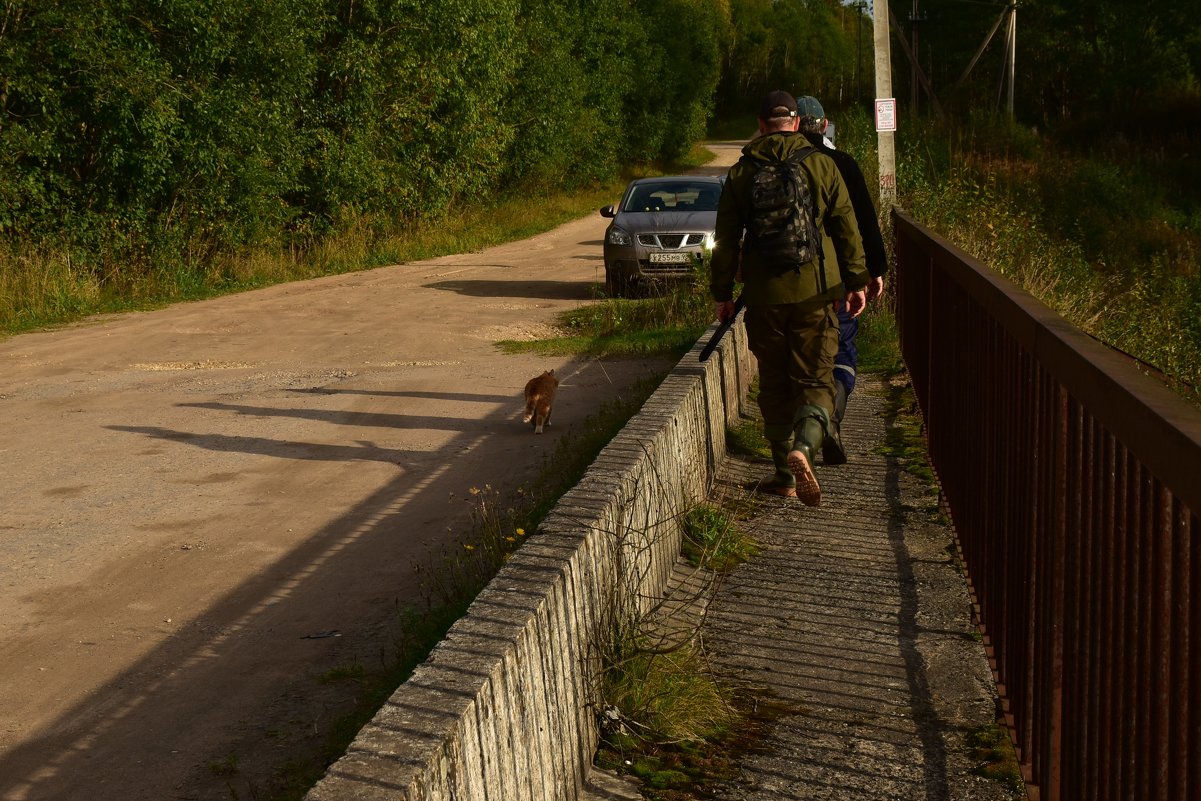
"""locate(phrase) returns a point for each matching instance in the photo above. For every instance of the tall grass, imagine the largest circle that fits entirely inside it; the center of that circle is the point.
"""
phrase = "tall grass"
(41, 287)
(1108, 238)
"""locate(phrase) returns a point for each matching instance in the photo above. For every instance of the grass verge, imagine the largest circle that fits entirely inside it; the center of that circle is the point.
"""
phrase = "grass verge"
(43, 285)
(667, 323)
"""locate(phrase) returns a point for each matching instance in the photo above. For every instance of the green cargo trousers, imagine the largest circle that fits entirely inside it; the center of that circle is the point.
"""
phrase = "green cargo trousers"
(795, 345)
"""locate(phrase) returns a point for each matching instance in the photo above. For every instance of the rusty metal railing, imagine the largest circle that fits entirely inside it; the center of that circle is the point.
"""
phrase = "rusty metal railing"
(1074, 487)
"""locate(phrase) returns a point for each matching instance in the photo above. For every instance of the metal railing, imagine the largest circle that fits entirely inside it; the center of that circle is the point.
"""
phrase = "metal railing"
(1074, 487)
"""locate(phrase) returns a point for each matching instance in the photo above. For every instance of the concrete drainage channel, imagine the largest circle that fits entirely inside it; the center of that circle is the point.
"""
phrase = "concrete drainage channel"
(501, 709)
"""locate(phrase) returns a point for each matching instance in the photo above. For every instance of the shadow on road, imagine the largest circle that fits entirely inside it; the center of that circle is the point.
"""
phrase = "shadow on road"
(341, 417)
(280, 449)
(450, 396)
(93, 749)
(539, 290)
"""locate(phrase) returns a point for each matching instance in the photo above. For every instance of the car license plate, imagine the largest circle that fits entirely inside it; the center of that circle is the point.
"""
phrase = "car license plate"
(670, 258)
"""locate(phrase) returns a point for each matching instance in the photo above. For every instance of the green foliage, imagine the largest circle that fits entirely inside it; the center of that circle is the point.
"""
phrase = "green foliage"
(1109, 241)
(137, 127)
(878, 341)
(667, 323)
(1095, 62)
(665, 695)
(404, 110)
(680, 771)
(712, 540)
(145, 143)
(675, 59)
(904, 438)
(746, 438)
(995, 758)
(807, 47)
(353, 672)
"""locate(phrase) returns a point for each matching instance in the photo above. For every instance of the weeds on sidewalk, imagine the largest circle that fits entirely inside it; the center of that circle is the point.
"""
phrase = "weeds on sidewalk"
(996, 759)
(665, 716)
(713, 541)
(903, 437)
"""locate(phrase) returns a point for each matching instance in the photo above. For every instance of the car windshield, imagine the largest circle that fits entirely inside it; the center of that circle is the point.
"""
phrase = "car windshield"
(673, 196)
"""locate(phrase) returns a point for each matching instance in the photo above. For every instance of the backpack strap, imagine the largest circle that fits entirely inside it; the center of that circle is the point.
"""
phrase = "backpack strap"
(800, 155)
(797, 157)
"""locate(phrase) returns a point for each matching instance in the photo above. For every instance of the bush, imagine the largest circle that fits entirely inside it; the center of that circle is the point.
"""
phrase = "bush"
(144, 140)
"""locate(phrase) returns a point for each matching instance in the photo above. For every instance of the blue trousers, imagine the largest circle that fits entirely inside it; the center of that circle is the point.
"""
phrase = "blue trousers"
(847, 359)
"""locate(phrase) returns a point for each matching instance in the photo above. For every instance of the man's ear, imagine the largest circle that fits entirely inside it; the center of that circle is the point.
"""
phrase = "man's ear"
(762, 127)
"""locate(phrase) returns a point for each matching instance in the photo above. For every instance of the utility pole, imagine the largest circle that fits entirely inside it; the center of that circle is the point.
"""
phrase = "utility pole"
(1009, 15)
(886, 143)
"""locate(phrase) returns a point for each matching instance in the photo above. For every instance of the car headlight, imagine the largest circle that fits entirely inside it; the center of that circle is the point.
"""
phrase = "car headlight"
(708, 243)
(617, 236)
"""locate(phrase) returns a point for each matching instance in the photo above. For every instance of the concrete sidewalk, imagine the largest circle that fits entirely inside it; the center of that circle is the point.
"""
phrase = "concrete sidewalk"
(855, 616)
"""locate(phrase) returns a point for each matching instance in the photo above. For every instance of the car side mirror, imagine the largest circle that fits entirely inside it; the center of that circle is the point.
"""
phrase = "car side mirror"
(608, 211)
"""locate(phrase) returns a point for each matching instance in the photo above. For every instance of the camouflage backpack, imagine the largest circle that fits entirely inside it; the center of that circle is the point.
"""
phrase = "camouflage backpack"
(782, 227)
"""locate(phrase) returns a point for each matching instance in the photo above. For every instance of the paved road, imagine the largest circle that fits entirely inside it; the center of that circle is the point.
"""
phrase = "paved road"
(207, 507)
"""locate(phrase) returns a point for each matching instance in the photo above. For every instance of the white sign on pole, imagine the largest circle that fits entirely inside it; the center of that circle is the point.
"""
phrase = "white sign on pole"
(886, 114)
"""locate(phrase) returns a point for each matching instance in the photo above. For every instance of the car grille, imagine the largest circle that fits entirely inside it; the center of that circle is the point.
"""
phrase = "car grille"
(670, 241)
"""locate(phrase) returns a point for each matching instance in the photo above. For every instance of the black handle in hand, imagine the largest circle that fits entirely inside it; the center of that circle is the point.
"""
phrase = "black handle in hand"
(721, 330)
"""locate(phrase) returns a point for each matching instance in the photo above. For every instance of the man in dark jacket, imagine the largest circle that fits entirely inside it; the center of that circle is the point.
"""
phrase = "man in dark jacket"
(791, 322)
(813, 125)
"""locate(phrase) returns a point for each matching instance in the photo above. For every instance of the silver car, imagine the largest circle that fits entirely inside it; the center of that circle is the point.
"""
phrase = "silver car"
(662, 230)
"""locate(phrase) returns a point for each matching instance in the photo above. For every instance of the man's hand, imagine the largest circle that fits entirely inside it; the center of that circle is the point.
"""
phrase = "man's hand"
(725, 310)
(875, 288)
(854, 302)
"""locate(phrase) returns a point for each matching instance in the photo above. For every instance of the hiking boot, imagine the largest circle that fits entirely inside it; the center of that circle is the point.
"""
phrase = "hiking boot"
(773, 486)
(801, 465)
(809, 433)
(782, 482)
(833, 451)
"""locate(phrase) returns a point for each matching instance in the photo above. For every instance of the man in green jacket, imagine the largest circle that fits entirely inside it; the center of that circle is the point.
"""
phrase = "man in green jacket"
(791, 321)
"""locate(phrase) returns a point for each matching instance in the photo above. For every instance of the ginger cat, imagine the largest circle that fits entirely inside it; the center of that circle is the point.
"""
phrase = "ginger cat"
(539, 395)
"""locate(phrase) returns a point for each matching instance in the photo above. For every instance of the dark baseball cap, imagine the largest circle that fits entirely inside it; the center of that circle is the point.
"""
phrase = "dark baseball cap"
(807, 106)
(777, 104)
